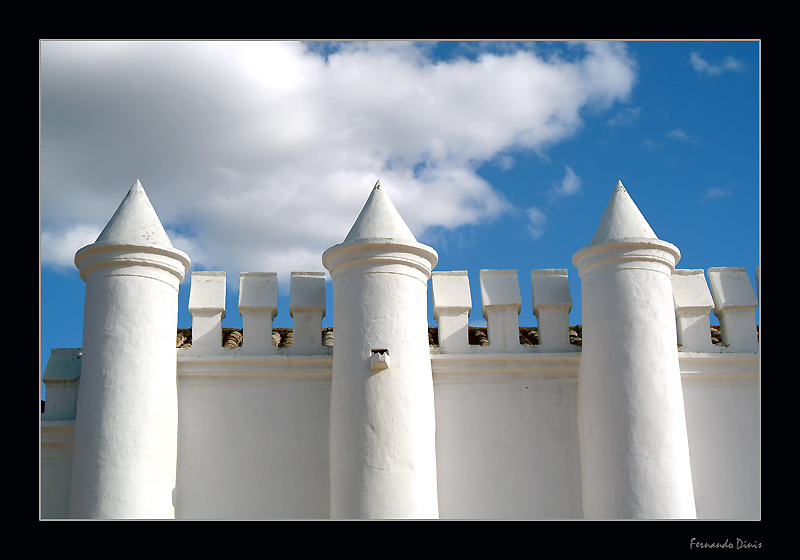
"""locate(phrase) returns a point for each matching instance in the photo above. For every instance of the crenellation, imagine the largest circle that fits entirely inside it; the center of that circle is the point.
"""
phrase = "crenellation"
(258, 306)
(735, 303)
(501, 303)
(452, 303)
(207, 308)
(307, 308)
(392, 421)
(61, 377)
(552, 303)
(501, 299)
(693, 305)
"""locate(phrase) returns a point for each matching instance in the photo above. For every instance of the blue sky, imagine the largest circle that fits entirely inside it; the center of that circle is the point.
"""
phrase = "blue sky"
(259, 156)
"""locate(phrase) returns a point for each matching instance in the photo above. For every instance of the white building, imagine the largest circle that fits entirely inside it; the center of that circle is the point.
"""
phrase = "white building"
(637, 414)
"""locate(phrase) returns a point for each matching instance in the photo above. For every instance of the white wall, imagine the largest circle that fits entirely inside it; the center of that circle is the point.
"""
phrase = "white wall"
(253, 432)
(723, 415)
(507, 436)
(55, 474)
(253, 436)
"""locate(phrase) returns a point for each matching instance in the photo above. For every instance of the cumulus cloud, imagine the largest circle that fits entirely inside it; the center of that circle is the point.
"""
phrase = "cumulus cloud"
(58, 247)
(570, 185)
(259, 155)
(702, 66)
(537, 220)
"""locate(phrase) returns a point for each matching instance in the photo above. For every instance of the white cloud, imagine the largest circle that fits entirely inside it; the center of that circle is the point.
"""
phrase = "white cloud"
(714, 193)
(261, 154)
(678, 134)
(702, 66)
(651, 144)
(626, 116)
(58, 247)
(570, 185)
(731, 63)
(536, 222)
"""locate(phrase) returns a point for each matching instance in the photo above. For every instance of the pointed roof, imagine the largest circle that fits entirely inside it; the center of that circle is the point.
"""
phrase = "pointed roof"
(622, 219)
(135, 222)
(379, 219)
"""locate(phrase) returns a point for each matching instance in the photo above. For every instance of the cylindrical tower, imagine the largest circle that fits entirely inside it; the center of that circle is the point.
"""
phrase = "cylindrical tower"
(632, 425)
(382, 425)
(126, 426)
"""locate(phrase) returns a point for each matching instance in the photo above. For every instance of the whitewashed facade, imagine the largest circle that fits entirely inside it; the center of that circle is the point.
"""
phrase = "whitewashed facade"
(637, 414)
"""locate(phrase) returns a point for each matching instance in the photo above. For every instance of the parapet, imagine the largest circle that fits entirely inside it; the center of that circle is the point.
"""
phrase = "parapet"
(452, 303)
(735, 304)
(207, 307)
(730, 297)
(258, 306)
(501, 303)
(732, 300)
(552, 303)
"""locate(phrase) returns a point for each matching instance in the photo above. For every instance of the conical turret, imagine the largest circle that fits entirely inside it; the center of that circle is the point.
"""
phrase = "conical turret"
(382, 421)
(135, 222)
(629, 387)
(379, 219)
(622, 219)
(125, 447)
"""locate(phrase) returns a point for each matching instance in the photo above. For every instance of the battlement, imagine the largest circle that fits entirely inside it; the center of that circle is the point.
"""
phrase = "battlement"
(729, 294)
(377, 418)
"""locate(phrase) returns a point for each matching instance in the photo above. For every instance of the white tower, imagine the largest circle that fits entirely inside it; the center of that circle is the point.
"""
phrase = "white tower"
(632, 425)
(126, 426)
(382, 425)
